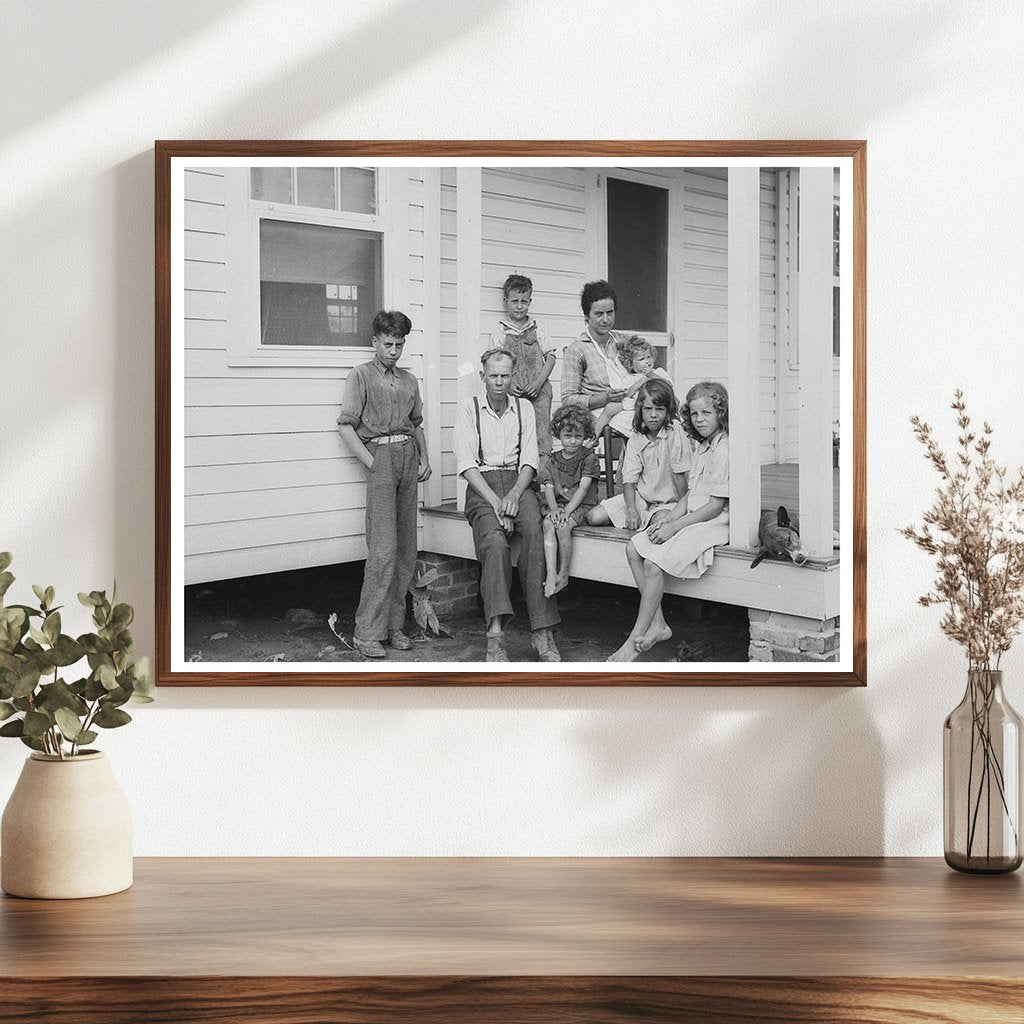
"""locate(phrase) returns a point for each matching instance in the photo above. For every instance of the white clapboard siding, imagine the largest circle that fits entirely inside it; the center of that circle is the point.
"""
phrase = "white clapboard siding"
(702, 338)
(268, 483)
(790, 369)
(533, 223)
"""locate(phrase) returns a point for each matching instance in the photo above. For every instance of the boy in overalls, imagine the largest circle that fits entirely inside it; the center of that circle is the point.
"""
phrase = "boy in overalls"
(521, 335)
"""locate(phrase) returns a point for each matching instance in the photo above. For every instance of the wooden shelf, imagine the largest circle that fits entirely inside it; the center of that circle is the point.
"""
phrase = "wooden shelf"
(573, 941)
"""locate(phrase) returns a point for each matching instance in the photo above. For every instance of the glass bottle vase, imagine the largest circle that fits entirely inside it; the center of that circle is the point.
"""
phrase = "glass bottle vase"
(981, 748)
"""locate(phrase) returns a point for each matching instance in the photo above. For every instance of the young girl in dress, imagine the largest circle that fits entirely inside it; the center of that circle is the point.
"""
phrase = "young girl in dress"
(654, 465)
(681, 542)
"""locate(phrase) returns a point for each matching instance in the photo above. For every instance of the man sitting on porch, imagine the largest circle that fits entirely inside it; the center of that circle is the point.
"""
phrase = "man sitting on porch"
(496, 451)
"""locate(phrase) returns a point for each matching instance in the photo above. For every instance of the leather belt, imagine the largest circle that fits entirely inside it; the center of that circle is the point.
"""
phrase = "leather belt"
(389, 439)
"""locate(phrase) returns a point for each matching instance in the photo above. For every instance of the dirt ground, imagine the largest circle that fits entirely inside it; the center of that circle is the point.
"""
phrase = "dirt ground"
(284, 617)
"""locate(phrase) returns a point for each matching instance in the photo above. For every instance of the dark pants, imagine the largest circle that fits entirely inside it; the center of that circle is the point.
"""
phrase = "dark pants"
(390, 539)
(492, 552)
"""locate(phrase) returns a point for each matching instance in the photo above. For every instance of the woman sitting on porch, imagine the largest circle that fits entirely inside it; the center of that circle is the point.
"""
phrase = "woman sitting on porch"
(681, 542)
(591, 373)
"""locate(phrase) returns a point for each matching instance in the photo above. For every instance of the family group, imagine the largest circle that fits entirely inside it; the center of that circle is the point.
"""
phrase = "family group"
(533, 473)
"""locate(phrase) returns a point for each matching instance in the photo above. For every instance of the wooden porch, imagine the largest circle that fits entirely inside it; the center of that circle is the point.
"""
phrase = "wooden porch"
(810, 590)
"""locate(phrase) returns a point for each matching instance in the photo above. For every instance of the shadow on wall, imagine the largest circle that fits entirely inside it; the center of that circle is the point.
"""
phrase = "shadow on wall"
(48, 62)
(815, 53)
(679, 777)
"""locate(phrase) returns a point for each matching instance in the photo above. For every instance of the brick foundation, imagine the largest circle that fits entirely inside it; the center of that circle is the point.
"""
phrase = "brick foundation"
(456, 589)
(775, 636)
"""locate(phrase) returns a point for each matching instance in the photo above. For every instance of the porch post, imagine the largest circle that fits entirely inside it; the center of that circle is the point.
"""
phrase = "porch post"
(815, 327)
(433, 489)
(744, 224)
(468, 256)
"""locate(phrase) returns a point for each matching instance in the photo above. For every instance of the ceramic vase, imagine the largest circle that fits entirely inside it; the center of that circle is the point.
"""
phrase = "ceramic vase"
(981, 776)
(66, 831)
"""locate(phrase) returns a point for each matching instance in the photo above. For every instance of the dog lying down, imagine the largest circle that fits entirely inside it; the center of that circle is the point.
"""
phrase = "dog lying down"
(779, 537)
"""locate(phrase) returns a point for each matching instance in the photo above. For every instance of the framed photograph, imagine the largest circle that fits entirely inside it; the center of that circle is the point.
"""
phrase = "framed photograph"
(492, 413)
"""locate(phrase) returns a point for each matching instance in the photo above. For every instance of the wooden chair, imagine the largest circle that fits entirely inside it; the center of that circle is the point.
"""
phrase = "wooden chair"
(611, 471)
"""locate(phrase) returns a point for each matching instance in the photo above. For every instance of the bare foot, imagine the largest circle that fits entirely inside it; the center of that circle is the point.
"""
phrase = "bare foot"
(551, 586)
(561, 583)
(628, 651)
(655, 635)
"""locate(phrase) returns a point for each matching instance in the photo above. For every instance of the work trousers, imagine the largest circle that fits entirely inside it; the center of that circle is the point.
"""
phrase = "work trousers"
(390, 539)
(493, 554)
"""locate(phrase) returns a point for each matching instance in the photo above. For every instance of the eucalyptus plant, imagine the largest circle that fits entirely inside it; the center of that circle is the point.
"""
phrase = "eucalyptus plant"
(46, 712)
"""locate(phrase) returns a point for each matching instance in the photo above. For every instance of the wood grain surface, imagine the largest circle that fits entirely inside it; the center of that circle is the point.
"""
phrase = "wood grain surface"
(482, 940)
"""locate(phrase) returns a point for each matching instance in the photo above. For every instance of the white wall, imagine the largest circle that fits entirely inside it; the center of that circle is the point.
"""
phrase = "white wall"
(934, 86)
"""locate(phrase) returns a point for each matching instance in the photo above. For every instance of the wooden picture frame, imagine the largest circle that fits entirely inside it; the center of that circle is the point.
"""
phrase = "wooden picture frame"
(763, 248)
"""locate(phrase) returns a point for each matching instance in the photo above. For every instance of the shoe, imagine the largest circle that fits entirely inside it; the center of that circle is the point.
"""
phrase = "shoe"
(496, 648)
(369, 648)
(399, 640)
(544, 643)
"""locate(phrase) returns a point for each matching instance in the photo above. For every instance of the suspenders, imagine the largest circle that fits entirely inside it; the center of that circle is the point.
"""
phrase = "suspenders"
(479, 436)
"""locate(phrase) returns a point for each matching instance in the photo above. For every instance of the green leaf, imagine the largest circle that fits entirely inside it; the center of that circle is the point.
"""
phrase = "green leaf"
(67, 651)
(40, 592)
(27, 681)
(107, 676)
(15, 728)
(89, 600)
(36, 723)
(142, 681)
(69, 724)
(86, 736)
(51, 626)
(122, 616)
(6, 710)
(94, 689)
(115, 698)
(111, 718)
(38, 635)
(58, 695)
(94, 644)
(6, 579)
(9, 662)
(5, 559)
(13, 624)
(49, 595)
(31, 741)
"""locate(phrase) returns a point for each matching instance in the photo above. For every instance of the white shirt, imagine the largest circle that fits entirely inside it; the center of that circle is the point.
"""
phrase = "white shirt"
(499, 436)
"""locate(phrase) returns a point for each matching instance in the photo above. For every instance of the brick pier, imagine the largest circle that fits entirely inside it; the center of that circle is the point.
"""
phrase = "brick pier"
(457, 587)
(775, 636)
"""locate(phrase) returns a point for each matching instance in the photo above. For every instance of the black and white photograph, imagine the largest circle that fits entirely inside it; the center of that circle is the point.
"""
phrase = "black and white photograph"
(567, 418)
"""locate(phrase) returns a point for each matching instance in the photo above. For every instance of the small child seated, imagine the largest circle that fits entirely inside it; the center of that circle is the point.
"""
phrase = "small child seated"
(568, 482)
(636, 355)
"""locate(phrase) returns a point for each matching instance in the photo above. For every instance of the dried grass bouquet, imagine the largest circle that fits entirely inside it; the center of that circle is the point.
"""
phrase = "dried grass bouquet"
(976, 531)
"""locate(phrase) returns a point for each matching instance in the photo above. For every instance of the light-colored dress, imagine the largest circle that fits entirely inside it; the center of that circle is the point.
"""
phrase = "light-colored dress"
(689, 553)
(649, 463)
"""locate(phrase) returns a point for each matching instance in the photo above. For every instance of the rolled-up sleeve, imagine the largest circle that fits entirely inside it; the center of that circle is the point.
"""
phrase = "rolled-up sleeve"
(353, 399)
(718, 478)
(528, 455)
(416, 416)
(573, 367)
(497, 338)
(679, 450)
(632, 464)
(547, 344)
(467, 444)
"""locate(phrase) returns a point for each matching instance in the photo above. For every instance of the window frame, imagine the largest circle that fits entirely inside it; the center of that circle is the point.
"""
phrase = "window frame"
(242, 248)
